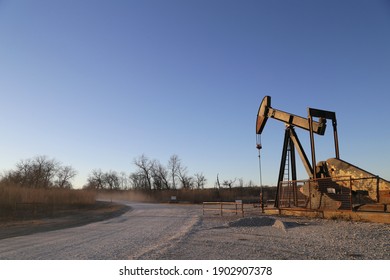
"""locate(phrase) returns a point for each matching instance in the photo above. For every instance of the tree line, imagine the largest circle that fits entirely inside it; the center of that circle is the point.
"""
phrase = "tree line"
(149, 174)
(40, 172)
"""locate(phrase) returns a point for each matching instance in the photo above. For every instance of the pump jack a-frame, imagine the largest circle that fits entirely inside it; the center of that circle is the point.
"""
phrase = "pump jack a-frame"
(291, 140)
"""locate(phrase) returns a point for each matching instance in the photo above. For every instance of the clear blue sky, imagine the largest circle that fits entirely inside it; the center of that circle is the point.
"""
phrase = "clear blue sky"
(95, 84)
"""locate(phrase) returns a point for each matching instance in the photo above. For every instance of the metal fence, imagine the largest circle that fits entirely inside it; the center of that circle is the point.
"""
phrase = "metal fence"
(340, 193)
(223, 207)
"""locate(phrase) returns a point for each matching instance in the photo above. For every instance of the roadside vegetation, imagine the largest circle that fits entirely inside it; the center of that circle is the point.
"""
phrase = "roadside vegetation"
(41, 185)
(246, 194)
(23, 203)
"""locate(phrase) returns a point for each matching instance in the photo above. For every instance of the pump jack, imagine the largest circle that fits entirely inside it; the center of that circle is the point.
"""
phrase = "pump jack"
(331, 167)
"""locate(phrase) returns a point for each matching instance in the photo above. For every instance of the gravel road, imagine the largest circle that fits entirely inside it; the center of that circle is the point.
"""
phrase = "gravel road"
(146, 227)
(171, 231)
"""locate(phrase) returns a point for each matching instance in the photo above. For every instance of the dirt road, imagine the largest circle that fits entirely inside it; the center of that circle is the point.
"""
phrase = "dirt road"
(148, 227)
(170, 231)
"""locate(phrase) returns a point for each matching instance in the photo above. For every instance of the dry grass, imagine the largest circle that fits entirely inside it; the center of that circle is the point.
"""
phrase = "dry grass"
(17, 201)
(192, 196)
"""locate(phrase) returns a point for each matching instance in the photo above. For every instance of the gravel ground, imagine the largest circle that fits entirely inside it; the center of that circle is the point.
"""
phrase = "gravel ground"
(280, 238)
(181, 232)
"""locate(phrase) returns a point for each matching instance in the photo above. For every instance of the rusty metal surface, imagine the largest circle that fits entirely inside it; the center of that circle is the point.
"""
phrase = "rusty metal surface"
(337, 193)
(378, 188)
(318, 194)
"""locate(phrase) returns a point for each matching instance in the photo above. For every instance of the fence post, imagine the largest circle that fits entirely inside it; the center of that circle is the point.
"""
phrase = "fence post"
(310, 193)
(377, 188)
(350, 192)
(221, 208)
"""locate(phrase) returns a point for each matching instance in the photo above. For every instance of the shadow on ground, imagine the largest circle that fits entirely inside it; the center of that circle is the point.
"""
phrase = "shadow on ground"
(100, 211)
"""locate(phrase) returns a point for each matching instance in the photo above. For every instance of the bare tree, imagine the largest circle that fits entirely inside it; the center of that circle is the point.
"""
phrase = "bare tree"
(124, 181)
(40, 172)
(47, 170)
(160, 176)
(11, 177)
(174, 164)
(225, 183)
(111, 180)
(137, 181)
(200, 180)
(229, 183)
(37, 172)
(64, 175)
(96, 180)
(217, 183)
(23, 175)
(145, 171)
(153, 174)
(185, 180)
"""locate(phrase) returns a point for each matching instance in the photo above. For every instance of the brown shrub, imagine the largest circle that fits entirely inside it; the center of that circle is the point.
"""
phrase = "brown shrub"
(15, 200)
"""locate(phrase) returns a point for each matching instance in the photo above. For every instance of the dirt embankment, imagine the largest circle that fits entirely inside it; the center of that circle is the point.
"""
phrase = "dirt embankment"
(65, 218)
